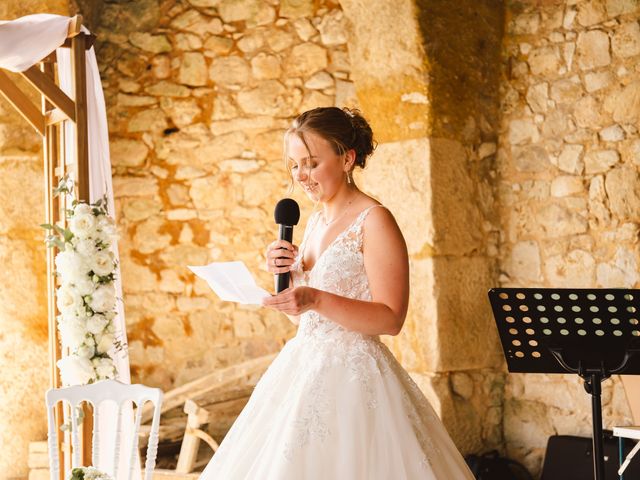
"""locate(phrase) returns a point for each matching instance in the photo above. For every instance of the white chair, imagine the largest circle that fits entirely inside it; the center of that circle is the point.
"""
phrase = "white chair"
(120, 394)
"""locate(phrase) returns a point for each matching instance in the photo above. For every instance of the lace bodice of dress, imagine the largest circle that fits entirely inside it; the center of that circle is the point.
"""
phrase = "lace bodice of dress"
(339, 269)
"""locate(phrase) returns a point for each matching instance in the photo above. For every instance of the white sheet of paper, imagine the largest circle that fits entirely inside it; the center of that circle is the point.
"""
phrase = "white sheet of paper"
(232, 282)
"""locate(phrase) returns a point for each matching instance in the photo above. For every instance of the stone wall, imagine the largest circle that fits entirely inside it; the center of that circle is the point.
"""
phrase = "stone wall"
(569, 186)
(198, 95)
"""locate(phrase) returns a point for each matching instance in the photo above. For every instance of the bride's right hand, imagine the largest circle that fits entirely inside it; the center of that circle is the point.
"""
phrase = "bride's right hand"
(280, 256)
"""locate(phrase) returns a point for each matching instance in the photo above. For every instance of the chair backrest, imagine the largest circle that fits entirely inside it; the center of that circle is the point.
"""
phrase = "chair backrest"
(121, 395)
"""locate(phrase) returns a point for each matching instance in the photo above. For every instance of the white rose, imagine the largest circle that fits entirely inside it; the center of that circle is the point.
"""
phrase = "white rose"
(72, 331)
(68, 300)
(102, 263)
(83, 208)
(84, 286)
(96, 324)
(71, 265)
(82, 223)
(76, 370)
(86, 351)
(107, 227)
(85, 246)
(104, 342)
(103, 299)
(105, 368)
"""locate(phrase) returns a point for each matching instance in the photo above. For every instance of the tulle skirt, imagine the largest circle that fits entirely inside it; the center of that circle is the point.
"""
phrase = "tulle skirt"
(337, 409)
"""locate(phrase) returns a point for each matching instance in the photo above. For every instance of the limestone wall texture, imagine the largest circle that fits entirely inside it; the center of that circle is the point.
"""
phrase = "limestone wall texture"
(568, 159)
(198, 96)
(508, 152)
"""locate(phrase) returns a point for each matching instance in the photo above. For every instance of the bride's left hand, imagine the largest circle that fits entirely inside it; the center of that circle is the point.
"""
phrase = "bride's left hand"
(293, 300)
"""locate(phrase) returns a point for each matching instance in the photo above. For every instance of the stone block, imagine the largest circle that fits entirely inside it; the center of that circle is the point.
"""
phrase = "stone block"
(304, 29)
(231, 72)
(593, 49)
(623, 189)
(456, 216)
(279, 40)
(138, 209)
(523, 131)
(599, 161)
(181, 112)
(305, 60)
(403, 196)
(524, 262)
(250, 43)
(150, 43)
(624, 104)
(530, 158)
(127, 153)
(621, 7)
(134, 187)
(591, 12)
(626, 40)
(588, 113)
(621, 272)
(265, 66)
(538, 97)
(216, 45)
(570, 159)
(464, 322)
(237, 10)
(151, 120)
(269, 98)
(296, 8)
(566, 91)
(567, 185)
(193, 69)
(560, 219)
(333, 29)
(575, 270)
(525, 24)
(545, 61)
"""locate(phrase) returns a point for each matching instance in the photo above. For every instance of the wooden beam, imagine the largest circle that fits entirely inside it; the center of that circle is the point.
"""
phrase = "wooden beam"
(49, 89)
(75, 26)
(21, 102)
(79, 77)
(196, 416)
(89, 41)
(178, 396)
(55, 116)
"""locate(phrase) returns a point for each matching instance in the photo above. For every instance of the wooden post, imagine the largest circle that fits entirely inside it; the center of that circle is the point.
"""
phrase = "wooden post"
(196, 416)
(79, 74)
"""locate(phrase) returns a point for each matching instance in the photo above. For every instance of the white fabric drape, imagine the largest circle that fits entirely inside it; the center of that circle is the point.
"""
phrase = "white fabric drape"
(24, 42)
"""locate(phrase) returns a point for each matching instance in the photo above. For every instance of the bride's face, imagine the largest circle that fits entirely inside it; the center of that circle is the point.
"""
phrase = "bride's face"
(319, 171)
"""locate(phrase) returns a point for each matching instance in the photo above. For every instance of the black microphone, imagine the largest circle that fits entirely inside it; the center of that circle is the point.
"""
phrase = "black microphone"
(287, 214)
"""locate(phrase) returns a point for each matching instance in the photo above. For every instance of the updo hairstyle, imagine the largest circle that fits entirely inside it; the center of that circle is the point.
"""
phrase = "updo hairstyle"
(344, 129)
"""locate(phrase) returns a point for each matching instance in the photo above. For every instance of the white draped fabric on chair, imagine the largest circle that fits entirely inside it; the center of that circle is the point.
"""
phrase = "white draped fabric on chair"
(23, 43)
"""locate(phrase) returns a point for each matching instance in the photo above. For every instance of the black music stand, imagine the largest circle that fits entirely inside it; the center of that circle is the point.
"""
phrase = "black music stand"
(592, 333)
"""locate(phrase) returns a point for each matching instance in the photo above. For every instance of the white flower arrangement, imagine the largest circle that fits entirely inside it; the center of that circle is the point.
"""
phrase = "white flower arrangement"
(86, 298)
(87, 473)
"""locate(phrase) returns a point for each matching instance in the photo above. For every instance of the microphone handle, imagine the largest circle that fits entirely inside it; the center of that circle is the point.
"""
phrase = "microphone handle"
(282, 281)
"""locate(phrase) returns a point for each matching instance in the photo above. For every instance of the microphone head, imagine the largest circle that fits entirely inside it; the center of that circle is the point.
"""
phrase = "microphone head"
(287, 212)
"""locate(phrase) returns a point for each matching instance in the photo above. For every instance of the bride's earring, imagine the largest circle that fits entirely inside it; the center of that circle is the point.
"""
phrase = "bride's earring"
(348, 178)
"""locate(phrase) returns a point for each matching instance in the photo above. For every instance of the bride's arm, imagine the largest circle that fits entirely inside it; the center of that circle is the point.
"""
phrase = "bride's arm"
(387, 266)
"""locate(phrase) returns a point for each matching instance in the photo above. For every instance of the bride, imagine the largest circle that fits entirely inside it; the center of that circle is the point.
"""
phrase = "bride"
(335, 404)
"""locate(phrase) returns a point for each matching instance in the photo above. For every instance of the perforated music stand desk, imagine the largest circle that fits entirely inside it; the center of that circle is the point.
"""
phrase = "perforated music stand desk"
(592, 333)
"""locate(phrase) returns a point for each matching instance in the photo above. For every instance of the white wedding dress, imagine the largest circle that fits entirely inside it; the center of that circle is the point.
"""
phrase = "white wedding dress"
(335, 404)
